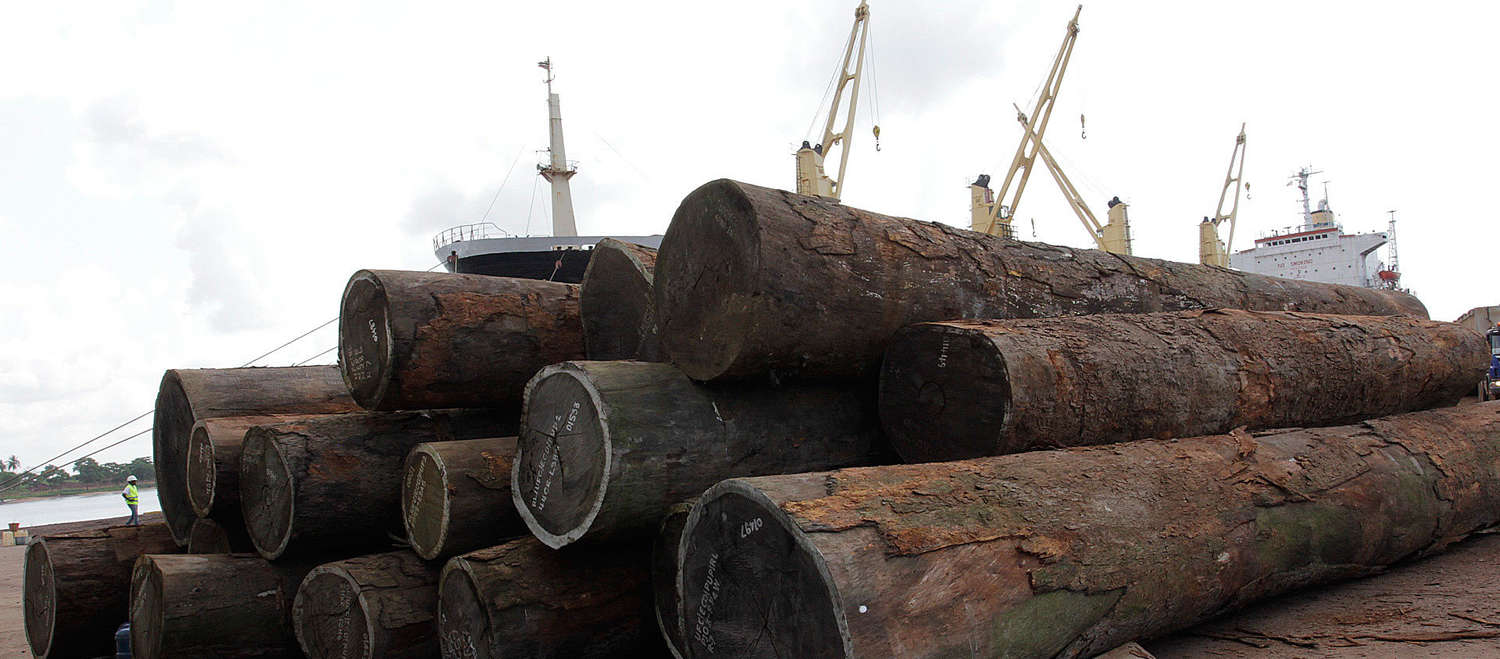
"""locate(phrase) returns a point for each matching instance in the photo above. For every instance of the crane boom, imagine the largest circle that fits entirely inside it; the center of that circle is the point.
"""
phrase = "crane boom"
(1211, 250)
(811, 177)
(994, 216)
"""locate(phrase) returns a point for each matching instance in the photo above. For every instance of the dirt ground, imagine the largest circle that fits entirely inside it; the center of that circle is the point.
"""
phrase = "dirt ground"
(1445, 606)
(12, 629)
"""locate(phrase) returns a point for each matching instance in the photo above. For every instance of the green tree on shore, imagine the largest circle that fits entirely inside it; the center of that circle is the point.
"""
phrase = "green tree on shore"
(11, 463)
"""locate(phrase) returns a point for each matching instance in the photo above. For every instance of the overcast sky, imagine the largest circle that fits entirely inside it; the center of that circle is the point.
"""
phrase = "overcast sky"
(191, 184)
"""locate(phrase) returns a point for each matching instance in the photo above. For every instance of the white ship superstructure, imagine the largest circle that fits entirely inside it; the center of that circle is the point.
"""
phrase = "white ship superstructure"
(1319, 250)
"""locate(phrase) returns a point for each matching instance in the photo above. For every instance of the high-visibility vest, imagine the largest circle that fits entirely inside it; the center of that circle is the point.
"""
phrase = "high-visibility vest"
(132, 494)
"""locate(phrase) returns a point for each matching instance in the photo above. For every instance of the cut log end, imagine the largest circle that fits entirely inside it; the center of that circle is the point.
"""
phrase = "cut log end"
(267, 498)
(615, 300)
(39, 585)
(424, 497)
(945, 395)
(703, 288)
(751, 583)
(146, 610)
(365, 349)
(330, 617)
(172, 428)
(463, 624)
(562, 462)
(202, 473)
(664, 576)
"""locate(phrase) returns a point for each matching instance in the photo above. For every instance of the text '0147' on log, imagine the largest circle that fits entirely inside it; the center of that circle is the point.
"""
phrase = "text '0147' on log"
(751, 280)
(965, 389)
(1072, 552)
(429, 340)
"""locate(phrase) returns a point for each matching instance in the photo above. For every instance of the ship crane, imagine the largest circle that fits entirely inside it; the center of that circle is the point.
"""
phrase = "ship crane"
(1211, 250)
(811, 177)
(993, 214)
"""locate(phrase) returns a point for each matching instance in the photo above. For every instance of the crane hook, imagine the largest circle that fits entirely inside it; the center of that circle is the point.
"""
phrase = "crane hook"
(877, 138)
(1083, 128)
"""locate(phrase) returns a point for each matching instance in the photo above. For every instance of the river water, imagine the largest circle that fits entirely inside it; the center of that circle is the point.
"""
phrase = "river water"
(73, 508)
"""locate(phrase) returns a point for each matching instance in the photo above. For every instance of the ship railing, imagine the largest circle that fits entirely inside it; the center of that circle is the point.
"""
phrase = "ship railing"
(464, 232)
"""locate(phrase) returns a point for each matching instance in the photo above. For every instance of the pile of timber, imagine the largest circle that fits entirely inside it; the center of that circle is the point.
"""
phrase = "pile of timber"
(702, 458)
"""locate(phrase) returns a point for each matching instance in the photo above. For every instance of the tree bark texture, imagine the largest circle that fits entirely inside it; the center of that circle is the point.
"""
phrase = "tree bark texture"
(455, 496)
(664, 562)
(618, 309)
(187, 396)
(522, 599)
(213, 464)
(965, 389)
(1072, 552)
(427, 340)
(75, 587)
(334, 483)
(370, 607)
(608, 447)
(751, 280)
(211, 537)
(213, 606)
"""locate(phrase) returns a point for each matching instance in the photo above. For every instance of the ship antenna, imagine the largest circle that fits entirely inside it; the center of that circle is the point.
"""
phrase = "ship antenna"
(1395, 261)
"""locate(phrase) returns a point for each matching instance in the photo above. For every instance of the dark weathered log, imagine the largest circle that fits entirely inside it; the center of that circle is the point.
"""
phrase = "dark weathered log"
(664, 562)
(608, 447)
(213, 606)
(188, 396)
(211, 537)
(213, 465)
(966, 389)
(426, 340)
(1072, 552)
(751, 280)
(369, 607)
(334, 483)
(521, 599)
(455, 496)
(76, 587)
(619, 314)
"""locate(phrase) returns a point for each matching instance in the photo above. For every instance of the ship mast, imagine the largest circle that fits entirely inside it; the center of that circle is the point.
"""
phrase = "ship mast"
(1300, 179)
(557, 170)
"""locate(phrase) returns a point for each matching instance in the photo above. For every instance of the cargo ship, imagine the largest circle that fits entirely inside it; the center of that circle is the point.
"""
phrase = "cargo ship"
(486, 249)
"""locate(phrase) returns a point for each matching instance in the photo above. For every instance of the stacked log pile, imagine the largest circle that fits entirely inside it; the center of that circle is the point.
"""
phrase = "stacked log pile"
(696, 454)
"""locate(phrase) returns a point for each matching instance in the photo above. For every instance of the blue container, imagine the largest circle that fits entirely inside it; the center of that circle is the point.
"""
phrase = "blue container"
(122, 642)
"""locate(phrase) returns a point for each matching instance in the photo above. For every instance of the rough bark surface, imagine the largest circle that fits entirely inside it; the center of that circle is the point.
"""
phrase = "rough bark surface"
(455, 496)
(75, 588)
(382, 605)
(1072, 552)
(187, 396)
(213, 465)
(521, 599)
(211, 537)
(751, 280)
(618, 309)
(213, 606)
(664, 562)
(334, 483)
(427, 340)
(608, 447)
(965, 389)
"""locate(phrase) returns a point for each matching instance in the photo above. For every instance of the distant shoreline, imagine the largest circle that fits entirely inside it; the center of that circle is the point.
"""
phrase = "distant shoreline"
(49, 494)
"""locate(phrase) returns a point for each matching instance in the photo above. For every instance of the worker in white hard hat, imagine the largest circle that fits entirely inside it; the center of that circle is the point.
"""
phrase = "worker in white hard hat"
(133, 499)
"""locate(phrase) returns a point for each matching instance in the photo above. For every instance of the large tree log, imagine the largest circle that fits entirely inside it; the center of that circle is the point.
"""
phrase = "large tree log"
(455, 496)
(214, 606)
(1072, 552)
(608, 447)
(521, 599)
(213, 465)
(619, 314)
(76, 587)
(664, 564)
(751, 280)
(188, 396)
(334, 483)
(369, 607)
(966, 389)
(426, 340)
(211, 537)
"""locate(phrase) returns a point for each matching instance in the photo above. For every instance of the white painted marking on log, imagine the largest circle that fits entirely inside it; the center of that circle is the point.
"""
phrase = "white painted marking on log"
(374, 335)
(267, 593)
(702, 628)
(864, 609)
(716, 411)
(750, 527)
